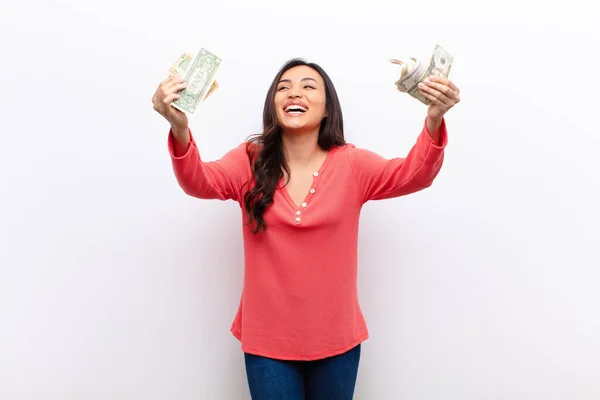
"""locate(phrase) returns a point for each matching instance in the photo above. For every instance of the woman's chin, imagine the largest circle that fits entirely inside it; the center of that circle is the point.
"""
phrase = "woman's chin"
(293, 127)
(298, 127)
(296, 131)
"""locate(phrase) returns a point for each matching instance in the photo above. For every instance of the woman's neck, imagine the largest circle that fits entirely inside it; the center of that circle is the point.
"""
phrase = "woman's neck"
(302, 149)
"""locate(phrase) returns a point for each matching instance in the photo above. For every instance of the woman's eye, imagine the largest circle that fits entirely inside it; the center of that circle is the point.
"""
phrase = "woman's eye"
(282, 87)
(309, 87)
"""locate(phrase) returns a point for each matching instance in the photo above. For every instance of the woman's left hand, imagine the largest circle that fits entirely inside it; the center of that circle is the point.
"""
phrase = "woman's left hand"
(443, 94)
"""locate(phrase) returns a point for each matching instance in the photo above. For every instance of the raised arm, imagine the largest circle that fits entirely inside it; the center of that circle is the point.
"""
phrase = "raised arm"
(381, 178)
(222, 179)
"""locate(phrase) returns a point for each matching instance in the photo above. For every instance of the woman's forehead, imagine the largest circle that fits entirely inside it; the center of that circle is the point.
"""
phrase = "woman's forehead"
(300, 72)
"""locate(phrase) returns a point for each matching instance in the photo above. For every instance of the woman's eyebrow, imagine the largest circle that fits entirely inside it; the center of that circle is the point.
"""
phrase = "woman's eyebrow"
(303, 79)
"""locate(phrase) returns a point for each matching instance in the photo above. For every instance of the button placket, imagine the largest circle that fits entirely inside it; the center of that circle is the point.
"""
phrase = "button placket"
(312, 190)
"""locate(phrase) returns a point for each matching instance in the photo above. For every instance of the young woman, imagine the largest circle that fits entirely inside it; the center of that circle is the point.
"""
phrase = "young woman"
(301, 187)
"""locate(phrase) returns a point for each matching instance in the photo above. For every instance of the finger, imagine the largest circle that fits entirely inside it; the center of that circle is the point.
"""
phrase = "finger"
(167, 80)
(173, 82)
(447, 90)
(439, 79)
(434, 100)
(170, 81)
(170, 98)
(175, 88)
(444, 81)
(453, 87)
(439, 96)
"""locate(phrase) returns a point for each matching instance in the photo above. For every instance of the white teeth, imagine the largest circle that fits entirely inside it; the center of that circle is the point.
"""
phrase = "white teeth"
(295, 108)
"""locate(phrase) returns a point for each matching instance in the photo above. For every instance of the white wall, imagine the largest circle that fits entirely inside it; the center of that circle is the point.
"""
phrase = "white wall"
(116, 285)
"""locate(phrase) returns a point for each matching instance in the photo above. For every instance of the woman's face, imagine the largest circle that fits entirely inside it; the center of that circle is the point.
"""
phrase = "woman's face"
(300, 99)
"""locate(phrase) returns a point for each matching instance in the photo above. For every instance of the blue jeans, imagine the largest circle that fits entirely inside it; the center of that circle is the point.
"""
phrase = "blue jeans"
(332, 378)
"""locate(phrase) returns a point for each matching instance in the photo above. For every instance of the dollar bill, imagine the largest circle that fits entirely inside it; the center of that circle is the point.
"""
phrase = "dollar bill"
(199, 74)
(181, 67)
(414, 72)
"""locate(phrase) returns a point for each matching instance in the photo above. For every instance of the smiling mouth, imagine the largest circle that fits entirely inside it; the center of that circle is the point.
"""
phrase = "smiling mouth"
(295, 109)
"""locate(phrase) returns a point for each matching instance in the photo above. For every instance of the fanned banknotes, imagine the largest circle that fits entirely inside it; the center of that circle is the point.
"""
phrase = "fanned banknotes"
(414, 72)
(199, 74)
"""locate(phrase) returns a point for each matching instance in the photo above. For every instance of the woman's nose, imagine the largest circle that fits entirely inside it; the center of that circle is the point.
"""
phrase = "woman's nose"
(294, 92)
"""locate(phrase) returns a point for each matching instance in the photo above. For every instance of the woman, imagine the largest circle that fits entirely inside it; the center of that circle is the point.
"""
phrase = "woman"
(301, 187)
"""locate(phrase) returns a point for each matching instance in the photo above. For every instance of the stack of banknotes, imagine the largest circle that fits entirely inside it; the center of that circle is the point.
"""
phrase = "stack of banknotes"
(199, 73)
(414, 72)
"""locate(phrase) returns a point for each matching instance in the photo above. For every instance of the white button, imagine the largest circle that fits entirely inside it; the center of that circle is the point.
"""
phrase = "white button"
(304, 204)
(298, 213)
(298, 220)
(316, 174)
(312, 190)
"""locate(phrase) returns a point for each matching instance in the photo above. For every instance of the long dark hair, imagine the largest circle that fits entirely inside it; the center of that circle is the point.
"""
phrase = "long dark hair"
(265, 151)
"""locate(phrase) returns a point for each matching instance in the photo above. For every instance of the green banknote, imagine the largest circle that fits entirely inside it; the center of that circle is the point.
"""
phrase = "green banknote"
(200, 78)
(182, 66)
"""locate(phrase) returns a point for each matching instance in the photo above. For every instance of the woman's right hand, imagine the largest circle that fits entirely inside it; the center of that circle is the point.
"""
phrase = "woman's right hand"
(165, 94)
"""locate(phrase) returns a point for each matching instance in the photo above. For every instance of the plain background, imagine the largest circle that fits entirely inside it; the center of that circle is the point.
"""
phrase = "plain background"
(116, 285)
